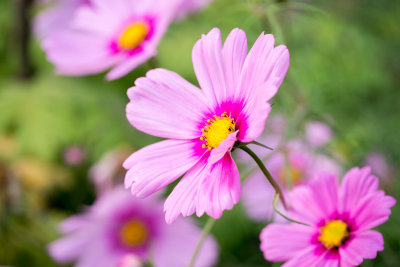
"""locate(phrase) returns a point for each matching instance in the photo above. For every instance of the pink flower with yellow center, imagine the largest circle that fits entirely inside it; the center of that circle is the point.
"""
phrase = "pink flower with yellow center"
(339, 221)
(203, 125)
(107, 34)
(120, 230)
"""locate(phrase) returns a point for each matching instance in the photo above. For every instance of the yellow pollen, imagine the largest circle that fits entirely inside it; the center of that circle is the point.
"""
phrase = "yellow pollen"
(133, 35)
(333, 233)
(217, 130)
(133, 233)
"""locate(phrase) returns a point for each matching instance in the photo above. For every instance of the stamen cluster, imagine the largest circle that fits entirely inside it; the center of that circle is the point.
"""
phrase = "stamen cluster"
(216, 130)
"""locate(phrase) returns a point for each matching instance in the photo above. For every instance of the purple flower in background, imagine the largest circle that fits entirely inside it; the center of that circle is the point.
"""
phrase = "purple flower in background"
(290, 165)
(318, 133)
(116, 34)
(119, 229)
(381, 167)
(203, 125)
(74, 155)
(190, 6)
(56, 17)
(340, 220)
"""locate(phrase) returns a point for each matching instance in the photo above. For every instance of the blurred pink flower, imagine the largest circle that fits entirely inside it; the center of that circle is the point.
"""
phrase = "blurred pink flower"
(190, 6)
(380, 166)
(318, 133)
(57, 16)
(203, 125)
(292, 165)
(116, 34)
(74, 155)
(108, 171)
(340, 219)
(119, 229)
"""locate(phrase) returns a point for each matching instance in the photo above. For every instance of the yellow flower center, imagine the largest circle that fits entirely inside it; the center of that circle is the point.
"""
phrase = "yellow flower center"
(133, 233)
(333, 233)
(290, 175)
(217, 130)
(133, 35)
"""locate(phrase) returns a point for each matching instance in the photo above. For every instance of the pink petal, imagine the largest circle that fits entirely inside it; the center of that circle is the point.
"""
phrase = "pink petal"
(318, 133)
(223, 148)
(78, 53)
(205, 188)
(165, 105)
(372, 210)
(309, 257)
(220, 188)
(182, 200)
(364, 245)
(234, 54)
(258, 196)
(157, 165)
(177, 243)
(130, 63)
(264, 65)
(281, 242)
(209, 66)
(316, 200)
(357, 183)
(71, 247)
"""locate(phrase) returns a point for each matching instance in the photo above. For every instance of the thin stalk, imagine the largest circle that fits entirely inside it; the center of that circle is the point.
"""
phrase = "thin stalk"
(276, 197)
(266, 173)
(206, 231)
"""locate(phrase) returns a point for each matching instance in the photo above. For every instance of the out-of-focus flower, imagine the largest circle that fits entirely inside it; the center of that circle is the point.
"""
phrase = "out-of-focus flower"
(203, 125)
(74, 155)
(108, 172)
(130, 260)
(318, 133)
(381, 168)
(291, 165)
(56, 17)
(190, 6)
(116, 34)
(119, 228)
(340, 219)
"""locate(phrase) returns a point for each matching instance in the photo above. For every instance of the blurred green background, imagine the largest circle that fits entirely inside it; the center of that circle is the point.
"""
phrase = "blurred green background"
(345, 69)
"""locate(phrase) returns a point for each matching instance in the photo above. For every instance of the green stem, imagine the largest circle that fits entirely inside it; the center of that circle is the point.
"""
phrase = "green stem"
(276, 197)
(206, 231)
(266, 173)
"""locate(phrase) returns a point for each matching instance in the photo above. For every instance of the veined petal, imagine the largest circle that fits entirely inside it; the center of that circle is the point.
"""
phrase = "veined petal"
(357, 183)
(209, 68)
(165, 105)
(234, 54)
(316, 200)
(220, 189)
(205, 188)
(371, 211)
(281, 242)
(364, 245)
(157, 165)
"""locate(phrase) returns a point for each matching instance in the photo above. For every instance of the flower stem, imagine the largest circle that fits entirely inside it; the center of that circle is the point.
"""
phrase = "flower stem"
(206, 231)
(276, 197)
(266, 173)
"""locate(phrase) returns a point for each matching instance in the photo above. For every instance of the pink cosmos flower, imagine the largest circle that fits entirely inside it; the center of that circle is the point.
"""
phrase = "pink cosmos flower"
(203, 125)
(190, 6)
(318, 133)
(56, 17)
(106, 34)
(74, 155)
(290, 165)
(340, 219)
(119, 229)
